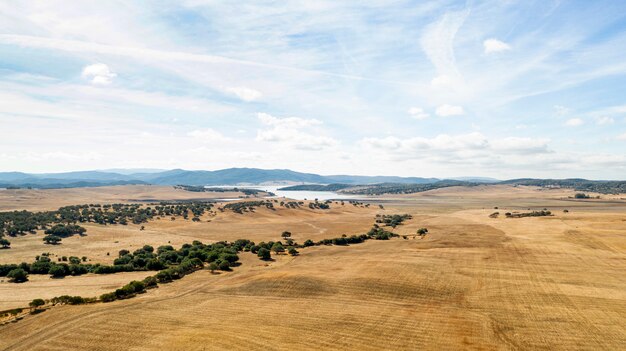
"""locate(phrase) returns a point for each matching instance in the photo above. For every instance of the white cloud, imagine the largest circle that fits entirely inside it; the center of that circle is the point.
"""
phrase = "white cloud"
(207, 135)
(99, 74)
(574, 122)
(494, 45)
(293, 131)
(418, 113)
(621, 137)
(604, 120)
(520, 145)
(458, 144)
(245, 94)
(446, 110)
(438, 44)
(288, 122)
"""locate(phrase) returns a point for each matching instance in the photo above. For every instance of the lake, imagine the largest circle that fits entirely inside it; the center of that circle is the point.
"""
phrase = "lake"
(297, 195)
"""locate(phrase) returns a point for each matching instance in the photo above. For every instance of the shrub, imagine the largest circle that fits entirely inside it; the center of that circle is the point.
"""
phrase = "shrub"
(108, 297)
(150, 282)
(293, 251)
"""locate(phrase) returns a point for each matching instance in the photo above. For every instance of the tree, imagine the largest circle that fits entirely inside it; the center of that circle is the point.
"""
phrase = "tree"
(213, 267)
(224, 266)
(422, 231)
(52, 239)
(264, 254)
(286, 234)
(293, 251)
(18, 275)
(37, 303)
(278, 247)
(58, 271)
(5, 243)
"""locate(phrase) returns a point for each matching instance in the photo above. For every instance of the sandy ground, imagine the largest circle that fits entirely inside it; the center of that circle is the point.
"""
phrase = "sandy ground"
(474, 282)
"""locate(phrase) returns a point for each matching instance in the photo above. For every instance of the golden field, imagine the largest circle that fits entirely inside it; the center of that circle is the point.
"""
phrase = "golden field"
(473, 282)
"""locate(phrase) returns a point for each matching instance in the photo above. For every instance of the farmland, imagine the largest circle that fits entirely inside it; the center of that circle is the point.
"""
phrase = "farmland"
(471, 282)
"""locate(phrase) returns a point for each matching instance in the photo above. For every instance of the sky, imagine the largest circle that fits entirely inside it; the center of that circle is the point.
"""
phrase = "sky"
(502, 89)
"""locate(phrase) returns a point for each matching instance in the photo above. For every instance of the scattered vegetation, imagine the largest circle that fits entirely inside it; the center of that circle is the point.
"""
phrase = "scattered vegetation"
(529, 214)
(392, 220)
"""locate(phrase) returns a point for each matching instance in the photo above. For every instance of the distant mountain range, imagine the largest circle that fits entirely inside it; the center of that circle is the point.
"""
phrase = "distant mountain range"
(252, 176)
(230, 176)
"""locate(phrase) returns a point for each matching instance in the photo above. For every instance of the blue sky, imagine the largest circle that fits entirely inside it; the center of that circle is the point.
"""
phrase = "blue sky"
(443, 88)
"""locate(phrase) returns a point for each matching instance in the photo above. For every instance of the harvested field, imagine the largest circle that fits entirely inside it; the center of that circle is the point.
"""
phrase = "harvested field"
(473, 282)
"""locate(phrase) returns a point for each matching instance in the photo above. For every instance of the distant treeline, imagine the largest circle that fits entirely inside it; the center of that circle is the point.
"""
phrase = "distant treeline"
(400, 188)
(317, 187)
(201, 189)
(597, 186)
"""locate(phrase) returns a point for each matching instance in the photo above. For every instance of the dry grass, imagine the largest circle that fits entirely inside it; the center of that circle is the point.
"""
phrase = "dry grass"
(474, 282)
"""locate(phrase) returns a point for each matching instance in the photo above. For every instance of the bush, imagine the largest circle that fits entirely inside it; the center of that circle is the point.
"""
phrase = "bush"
(293, 251)
(150, 282)
(18, 275)
(108, 297)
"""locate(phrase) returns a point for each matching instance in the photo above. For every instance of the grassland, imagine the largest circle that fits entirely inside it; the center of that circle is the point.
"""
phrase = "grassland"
(473, 282)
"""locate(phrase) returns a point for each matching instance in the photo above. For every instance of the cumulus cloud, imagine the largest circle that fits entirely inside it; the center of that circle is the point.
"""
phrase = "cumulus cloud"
(418, 113)
(574, 122)
(494, 45)
(245, 94)
(446, 110)
(293, 131)
(99, 74)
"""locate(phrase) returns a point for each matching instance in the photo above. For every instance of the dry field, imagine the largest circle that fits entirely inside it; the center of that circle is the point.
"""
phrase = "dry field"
(52, 199)
(474, 282)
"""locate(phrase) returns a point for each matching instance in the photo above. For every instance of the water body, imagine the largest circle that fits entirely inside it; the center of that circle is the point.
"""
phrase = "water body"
(296, 195)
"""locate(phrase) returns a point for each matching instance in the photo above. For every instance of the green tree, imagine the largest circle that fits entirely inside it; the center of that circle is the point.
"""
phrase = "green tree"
(293, 251)
(422, 231)
(18, 275)
(5, 243)
(58, 271)
(264, 254)
(37, 303)
(213, 267)
(52, 239)
(278, 247)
